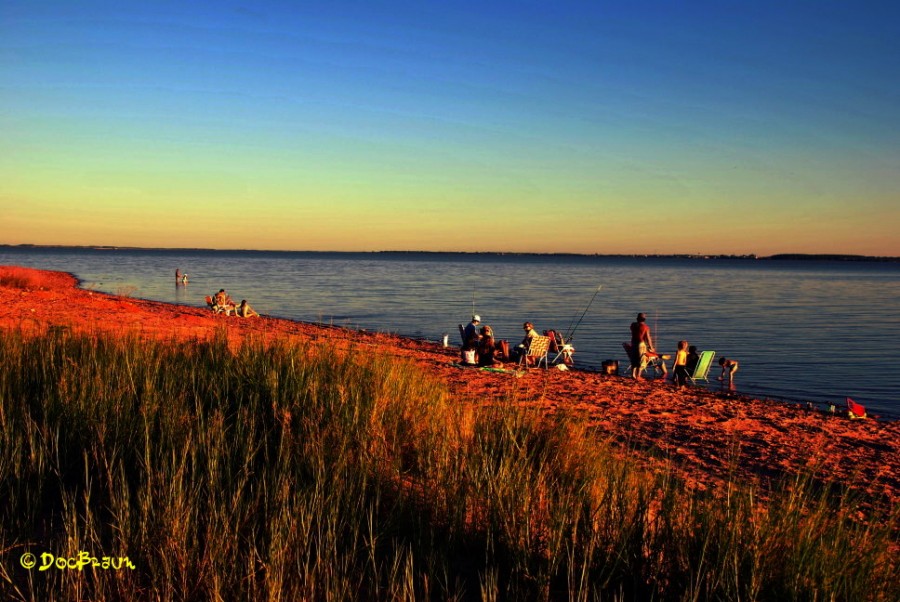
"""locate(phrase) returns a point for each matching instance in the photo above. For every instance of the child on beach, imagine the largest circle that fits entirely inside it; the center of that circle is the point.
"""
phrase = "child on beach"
(680, 374)
(245, 311)
(692, 359)
(729, 367)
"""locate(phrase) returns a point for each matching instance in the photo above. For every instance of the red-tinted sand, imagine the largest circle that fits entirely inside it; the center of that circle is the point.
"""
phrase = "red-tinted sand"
(702, 433)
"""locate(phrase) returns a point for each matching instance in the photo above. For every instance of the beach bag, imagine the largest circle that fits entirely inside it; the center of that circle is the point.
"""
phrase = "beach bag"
(469, 356)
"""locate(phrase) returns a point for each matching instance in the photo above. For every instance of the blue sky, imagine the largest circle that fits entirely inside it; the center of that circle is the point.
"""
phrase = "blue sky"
(620, 127)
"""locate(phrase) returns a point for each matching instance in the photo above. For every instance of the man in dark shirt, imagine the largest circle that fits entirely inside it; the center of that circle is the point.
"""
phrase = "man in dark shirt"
(641, 343)
(470, 334)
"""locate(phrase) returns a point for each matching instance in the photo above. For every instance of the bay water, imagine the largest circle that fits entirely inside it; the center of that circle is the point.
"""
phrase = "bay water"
(803, 330)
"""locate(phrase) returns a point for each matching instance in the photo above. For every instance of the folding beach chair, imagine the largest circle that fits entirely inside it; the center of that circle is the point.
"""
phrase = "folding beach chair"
(220, 309)
(536, 352)
(855, 410)
(561, 349)
(565, 353)
(701, 370)
(650, 359)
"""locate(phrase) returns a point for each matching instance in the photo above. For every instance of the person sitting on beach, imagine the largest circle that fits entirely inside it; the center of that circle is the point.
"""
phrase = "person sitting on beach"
(658, 363)
(488, 349)
(245, 311)
(641, 343)
(530, 333)
(523, 347)
(680, 374)
(692, 358)
(470, 332)
(222, 303)
(729, 367)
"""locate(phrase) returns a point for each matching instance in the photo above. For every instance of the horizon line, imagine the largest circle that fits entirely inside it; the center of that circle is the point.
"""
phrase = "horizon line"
(747, 256)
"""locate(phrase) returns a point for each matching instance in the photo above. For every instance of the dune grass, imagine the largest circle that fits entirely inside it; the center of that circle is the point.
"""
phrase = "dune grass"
(26, 279)
(298, 472)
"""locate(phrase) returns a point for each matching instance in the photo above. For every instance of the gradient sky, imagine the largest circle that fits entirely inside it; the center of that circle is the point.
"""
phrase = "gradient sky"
(587, 127)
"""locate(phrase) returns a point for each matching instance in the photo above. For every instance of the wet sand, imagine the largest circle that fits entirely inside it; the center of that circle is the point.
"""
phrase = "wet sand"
(702, 435)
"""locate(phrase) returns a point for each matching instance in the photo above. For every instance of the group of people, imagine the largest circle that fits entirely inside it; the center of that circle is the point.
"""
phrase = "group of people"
(222, 302)
(479, 346)
(642, 354)
(482, 349)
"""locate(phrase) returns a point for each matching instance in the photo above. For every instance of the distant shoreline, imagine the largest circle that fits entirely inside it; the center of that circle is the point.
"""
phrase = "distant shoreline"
(693, 256)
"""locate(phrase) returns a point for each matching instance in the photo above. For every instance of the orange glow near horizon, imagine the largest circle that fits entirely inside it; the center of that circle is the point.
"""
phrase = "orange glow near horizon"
(605, 131)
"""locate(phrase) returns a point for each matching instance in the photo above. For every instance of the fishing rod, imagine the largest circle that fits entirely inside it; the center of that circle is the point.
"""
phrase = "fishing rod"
(571, 332)
(656, 328)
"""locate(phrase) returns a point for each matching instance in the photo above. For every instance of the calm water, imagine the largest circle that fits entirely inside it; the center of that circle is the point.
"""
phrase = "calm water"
(806, 330)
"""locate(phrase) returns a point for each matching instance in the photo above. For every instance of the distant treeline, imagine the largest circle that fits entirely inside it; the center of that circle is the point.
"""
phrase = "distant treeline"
(749, 256)
(831, 257)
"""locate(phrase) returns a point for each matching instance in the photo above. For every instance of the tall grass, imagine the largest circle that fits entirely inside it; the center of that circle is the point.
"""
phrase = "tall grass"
(300, 472)
(27, 279)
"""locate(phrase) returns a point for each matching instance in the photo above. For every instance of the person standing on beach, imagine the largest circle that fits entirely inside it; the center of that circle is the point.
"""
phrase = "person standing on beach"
(680, 374)
(641, 343)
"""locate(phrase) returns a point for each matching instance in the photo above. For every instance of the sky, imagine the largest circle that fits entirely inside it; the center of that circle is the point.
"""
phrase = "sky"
(575, 127)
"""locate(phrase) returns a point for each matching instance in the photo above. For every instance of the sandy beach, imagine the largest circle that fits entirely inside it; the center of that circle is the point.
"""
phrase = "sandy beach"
(700, 434)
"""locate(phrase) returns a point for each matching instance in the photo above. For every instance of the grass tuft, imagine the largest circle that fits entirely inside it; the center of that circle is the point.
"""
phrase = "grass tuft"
(26, 279)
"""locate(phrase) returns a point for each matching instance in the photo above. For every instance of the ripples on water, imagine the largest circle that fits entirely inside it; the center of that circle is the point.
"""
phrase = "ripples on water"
(805, 330)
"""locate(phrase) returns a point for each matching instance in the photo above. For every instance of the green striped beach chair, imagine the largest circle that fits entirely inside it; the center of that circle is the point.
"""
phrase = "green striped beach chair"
(701, 370)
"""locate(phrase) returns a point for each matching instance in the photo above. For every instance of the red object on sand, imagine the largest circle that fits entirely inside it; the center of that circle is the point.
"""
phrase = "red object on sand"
(856, 410)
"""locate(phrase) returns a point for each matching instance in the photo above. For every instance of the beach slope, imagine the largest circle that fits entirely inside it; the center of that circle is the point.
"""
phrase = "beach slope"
(702, 435)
